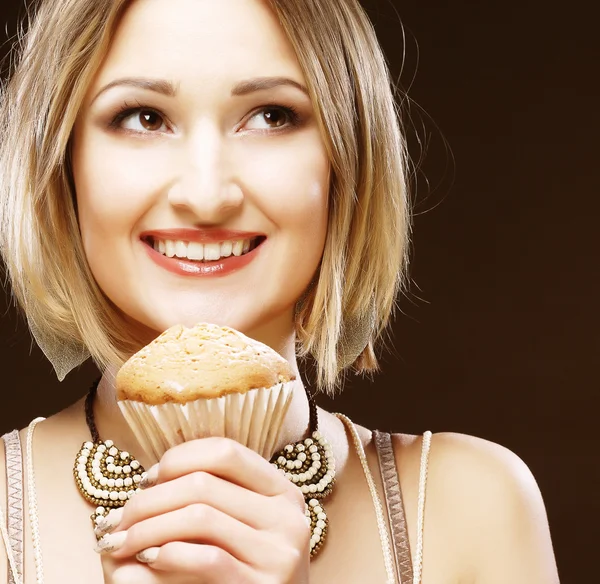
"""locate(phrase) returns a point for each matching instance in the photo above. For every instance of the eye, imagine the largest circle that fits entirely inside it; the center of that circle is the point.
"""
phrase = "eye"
(273, 117)
(141, 119)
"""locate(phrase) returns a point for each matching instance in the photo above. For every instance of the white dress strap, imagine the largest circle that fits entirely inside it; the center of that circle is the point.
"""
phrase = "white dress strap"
(12, 525)
(418, 559)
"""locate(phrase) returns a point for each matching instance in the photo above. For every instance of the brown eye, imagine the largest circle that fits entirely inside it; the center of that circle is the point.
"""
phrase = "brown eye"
(150, 120)
(273, 118)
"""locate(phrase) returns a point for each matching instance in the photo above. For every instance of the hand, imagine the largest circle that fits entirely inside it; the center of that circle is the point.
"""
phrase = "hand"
(217, 513)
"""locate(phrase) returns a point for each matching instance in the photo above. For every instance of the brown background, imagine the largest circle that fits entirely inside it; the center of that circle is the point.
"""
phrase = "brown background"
(499, 334)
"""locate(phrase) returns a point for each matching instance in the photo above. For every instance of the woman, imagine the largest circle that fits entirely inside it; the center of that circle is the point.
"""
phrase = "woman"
(139, 137)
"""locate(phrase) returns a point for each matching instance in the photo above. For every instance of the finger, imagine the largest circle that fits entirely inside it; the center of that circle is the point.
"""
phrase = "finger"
(196, 523)
(254, 510)
(228, 460)
(206, 563)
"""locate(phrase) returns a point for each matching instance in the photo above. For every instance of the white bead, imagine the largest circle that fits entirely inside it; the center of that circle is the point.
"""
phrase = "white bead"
(317, 531)
(134, 464)
(316, 465)
(317, 435)
(312, 488)
(289, 448)
(98, 476)
(289, 464)
(95, 464)
(98, 493)
(127, 469)
(321, 523)
(281, 460)
(308, 441)
(98, 455)
(313, 502)
(82, 475)
(295, 478)
(100, 510)
(298, 464)
(128, 482)
(313, 449)
(110, 467)
(111, 483)
(118, 469)
(113, 451)
(82, 459)
(104, 481)
(89, 445)
(89, 489)
(110, 460)
(119, 483)
(300, 448)
(114, 495)
(124, 455)
(80, 467)
(85, 452)
(305, 489)
(320, 488)
(302, 456)
(136, 478)
(106, 494)
(318, 509)
(101, 448)
(321, 517)
(315, 456)
(122, 496)
(130, 493)
(108, 443)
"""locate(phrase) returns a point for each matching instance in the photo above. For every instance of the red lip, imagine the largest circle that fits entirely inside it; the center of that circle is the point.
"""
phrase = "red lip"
(184, 267)
(200, 235)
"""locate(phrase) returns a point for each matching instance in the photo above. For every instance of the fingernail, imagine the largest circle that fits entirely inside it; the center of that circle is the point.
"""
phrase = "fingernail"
(149, 555)
(109, 522)
(111, 542)
(150, 478)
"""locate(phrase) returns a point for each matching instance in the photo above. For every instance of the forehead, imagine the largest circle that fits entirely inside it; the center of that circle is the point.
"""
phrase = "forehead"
(199, 43)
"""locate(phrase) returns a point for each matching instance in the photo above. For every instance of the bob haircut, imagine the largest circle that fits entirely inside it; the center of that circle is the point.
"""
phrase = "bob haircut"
(348, 305)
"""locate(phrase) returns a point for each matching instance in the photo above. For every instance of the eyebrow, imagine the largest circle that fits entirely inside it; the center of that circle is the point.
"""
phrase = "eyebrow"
(169, 89)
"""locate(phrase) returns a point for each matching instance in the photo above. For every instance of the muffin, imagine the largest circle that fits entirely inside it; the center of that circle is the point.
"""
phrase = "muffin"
(205, 381)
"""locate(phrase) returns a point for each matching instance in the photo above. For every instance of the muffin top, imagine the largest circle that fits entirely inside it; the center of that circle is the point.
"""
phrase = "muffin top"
(205, 361)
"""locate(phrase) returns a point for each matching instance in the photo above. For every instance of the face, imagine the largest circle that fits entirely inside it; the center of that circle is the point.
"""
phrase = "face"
(201, 181)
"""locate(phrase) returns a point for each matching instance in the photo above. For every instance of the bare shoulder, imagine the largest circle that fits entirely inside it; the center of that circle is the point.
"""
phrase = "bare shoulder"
(486, 499)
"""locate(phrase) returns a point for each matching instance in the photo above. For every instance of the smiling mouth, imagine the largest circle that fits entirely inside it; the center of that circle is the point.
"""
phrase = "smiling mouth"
(203, 252)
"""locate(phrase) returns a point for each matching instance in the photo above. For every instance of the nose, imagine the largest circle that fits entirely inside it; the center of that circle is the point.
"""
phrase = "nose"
(205, 184)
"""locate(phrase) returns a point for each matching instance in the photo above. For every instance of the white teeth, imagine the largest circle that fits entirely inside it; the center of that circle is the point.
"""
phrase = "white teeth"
(226, 249)
(237, 248)
(181, 249)
(197, 251)
(169, 248)
(212, 251)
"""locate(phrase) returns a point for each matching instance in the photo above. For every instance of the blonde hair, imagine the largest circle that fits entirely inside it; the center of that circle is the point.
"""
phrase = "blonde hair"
(348, 305)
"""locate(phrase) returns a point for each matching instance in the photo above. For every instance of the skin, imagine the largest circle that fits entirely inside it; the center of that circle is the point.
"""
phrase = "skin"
(216, 511)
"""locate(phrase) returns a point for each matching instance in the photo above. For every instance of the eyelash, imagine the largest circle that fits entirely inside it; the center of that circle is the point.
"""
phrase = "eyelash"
(127, 110)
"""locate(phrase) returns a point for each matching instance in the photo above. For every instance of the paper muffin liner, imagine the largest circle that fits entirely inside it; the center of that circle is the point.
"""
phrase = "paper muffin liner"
(253, 418)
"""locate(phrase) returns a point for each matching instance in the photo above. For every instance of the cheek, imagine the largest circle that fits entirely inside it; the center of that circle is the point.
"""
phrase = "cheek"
(114, 185)
(291, 186)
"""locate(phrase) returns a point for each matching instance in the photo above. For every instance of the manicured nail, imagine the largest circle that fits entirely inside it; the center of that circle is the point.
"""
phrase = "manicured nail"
(149, 555)
(109, 522)
(150, 478)
(111, 542)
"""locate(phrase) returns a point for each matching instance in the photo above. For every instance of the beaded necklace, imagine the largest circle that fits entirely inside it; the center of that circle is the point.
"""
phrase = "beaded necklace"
(108, 477)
